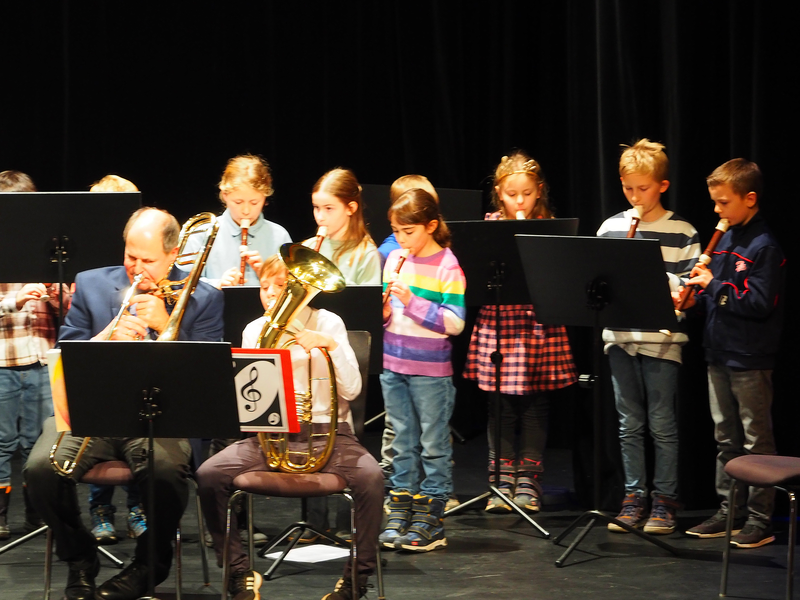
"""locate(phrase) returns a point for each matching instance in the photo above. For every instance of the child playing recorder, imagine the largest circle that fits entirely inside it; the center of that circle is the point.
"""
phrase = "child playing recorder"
(536, 358)
(742, 299)
(425, 308)
(644, 364)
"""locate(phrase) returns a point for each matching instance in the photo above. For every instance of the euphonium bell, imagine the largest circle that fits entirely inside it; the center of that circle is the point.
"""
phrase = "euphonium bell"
(309, 274)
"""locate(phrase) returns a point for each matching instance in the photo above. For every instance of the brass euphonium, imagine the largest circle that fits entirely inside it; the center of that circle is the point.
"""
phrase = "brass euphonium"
(173, 293)
(309, 274)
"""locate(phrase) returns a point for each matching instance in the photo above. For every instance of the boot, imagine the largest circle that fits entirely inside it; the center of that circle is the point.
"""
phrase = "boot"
(495, 504)
(32, 519)
(5, 494)
(528, 490)
(426, 531)
(399, 518)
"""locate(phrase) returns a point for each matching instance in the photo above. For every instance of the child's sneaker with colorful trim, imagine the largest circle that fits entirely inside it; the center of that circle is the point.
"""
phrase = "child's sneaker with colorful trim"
(426, 531)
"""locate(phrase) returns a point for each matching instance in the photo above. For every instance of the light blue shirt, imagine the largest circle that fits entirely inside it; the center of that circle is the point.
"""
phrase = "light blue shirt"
(389, 244)
(265, 236)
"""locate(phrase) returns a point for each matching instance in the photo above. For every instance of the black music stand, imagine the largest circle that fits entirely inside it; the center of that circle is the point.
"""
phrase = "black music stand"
(455, 204)
(486, 252)
(55, 235)
(598, 282)
(123, 389)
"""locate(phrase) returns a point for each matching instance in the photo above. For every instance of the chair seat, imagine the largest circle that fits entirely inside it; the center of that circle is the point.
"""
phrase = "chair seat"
(110, 472)
(762, 470)
(289, 485)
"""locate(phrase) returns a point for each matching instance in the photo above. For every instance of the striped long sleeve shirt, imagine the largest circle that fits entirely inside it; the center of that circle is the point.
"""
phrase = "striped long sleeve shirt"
(680, 248)
(416, 340)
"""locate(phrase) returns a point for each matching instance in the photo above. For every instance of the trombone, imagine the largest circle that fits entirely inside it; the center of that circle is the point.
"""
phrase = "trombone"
(174, 292)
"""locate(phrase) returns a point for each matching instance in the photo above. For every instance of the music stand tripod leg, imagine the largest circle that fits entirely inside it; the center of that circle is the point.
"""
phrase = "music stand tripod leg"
(150, 412)
(597, 301)
(467, 504)
(496, 284)
(23, 539)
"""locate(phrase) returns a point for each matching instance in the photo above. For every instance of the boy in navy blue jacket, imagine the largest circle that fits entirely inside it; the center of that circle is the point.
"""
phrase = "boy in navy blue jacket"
(742, 298)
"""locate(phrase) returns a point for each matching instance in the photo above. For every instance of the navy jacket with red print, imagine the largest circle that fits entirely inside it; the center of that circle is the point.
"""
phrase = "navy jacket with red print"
(744, 302)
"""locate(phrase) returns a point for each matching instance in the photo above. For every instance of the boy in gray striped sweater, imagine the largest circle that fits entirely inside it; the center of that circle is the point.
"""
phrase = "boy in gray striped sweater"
(644, 364)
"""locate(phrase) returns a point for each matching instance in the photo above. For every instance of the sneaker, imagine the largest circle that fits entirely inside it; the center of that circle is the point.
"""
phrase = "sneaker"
(662, 516)
(245, 585)
(632, 513)
(259, 537)
(714, 526)
(343, 534)
(399, 518)
(137, 522)
(452, 502)
(103, 525)
(343, 590)
(496, 505)
(5, 495)
(528, 492)
(753, 536)
(426, 531)
(506, 486)
(308, 537)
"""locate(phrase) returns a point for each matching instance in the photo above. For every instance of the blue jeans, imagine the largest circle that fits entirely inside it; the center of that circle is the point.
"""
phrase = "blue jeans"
(645, 390)
(420, 408)
(103, 495)
(741, 405)
(25, 403)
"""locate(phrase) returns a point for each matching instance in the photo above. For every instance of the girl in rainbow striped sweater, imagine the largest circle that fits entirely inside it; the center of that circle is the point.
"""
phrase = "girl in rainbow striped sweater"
(426, 307)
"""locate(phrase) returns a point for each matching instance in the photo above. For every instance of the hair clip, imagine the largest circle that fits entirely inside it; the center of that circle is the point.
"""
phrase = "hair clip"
(506, 168)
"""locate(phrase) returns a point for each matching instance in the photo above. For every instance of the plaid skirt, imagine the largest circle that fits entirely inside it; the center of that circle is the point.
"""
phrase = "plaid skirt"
(536, 357)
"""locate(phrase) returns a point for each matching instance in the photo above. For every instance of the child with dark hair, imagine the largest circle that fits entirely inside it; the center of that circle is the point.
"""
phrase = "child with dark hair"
(425, 308)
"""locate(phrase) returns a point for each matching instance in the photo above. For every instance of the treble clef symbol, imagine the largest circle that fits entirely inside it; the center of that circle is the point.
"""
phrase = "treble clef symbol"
(251, 394)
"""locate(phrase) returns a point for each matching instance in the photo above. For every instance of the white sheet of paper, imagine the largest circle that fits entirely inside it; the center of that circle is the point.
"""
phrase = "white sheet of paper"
(313, 554)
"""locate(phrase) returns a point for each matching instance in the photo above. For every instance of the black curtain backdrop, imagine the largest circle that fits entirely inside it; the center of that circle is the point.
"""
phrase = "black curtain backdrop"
(164, 93)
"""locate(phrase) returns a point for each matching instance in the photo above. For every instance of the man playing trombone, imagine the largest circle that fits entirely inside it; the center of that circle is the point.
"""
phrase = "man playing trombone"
(151, 245)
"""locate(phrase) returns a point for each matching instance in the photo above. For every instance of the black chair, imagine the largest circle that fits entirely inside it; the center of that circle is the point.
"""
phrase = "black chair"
(117, 472)
(759, 470)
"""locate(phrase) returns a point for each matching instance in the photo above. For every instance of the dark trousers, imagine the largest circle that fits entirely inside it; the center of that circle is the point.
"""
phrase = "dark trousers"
(56, 500)
(349, 460)
(530, 415)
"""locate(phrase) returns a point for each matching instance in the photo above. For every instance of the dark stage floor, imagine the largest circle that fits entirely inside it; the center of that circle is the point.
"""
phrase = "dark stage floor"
(487, 555)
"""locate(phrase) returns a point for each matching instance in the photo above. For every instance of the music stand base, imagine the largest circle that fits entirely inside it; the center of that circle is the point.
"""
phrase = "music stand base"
(493, 491)
(298, 528)
(594, 516)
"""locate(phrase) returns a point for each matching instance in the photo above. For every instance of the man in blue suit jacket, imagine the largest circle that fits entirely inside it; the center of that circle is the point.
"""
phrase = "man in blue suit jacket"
(151, 240)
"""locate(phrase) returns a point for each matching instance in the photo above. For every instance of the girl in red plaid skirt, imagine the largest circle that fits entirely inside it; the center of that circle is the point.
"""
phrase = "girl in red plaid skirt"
(536, 358)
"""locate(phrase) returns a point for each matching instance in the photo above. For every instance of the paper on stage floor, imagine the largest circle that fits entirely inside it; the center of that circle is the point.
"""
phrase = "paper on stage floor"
(313, 554)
